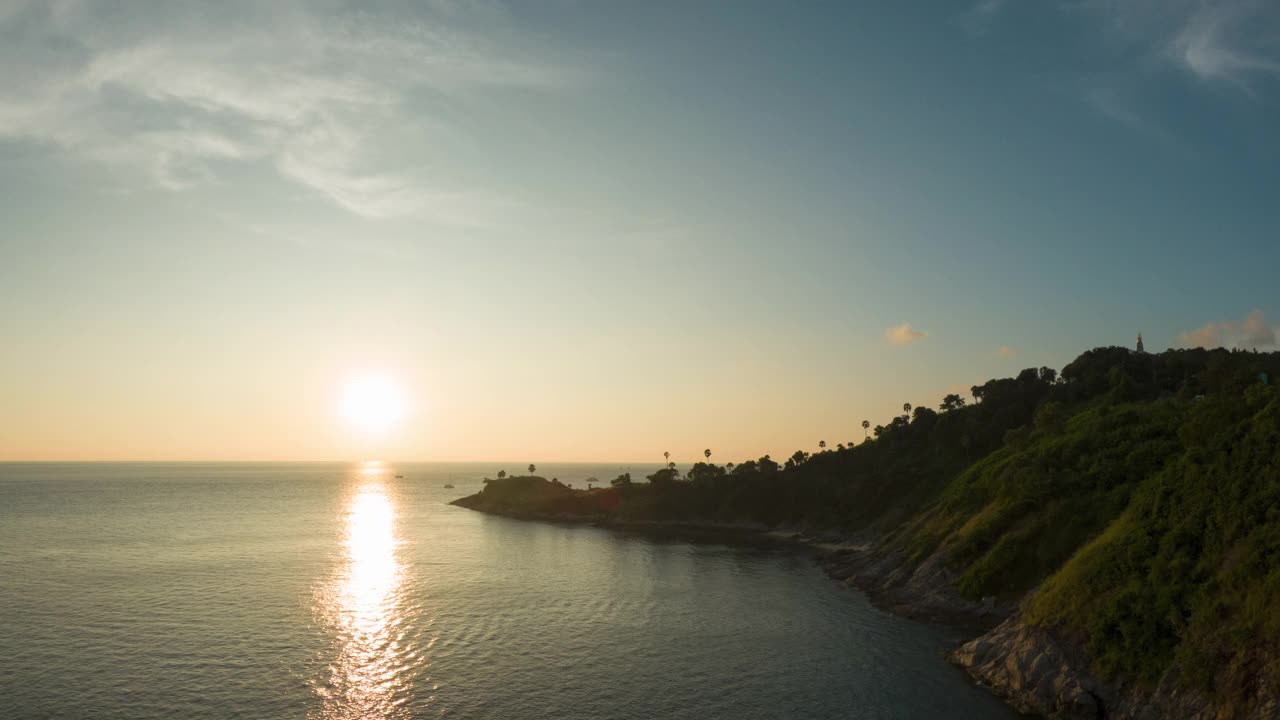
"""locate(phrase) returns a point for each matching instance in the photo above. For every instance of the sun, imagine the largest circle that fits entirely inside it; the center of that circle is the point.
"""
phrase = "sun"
(373, 403)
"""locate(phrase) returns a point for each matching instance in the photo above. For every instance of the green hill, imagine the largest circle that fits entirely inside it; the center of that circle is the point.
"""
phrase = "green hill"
(1131, 504)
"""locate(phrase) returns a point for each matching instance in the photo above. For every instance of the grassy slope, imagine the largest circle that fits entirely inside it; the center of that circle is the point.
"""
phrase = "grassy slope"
(1187, 579)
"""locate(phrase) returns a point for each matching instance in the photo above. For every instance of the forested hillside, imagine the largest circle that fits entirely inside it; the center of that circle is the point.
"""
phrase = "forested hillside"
(1131, 503)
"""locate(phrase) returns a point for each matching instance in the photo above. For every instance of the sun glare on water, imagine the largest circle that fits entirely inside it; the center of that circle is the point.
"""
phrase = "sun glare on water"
(373, 404)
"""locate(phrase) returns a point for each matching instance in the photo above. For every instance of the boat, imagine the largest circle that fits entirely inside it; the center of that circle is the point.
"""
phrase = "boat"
(399, 476)
(448, 485)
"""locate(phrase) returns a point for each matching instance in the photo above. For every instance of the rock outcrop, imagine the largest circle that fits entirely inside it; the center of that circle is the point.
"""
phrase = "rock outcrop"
(1027, 667)
(1038, 673)
(921, 592)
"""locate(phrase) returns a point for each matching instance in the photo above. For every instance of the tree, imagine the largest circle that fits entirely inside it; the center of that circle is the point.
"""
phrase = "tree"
(623, 480)
(663, 478)
(906, 409)
(667, 456)
(729, 467)
(1051, 417)
(822, 444)
(767, 465)
(865, 424)
(671, 466)
(839, 446)
(502, 474)
(707, 453)
(924, 414)
(978, 391)
(951, 402)
(703, 473)
(797, 459)
(532, 468)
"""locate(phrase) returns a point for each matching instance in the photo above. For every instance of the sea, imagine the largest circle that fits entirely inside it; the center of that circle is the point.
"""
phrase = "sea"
(354, 590)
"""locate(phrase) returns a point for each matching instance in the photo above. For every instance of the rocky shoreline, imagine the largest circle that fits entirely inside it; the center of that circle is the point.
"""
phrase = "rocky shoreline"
(1029, 667)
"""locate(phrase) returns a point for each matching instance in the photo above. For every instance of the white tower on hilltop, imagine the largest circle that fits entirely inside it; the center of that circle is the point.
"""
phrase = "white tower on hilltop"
(1140, 343)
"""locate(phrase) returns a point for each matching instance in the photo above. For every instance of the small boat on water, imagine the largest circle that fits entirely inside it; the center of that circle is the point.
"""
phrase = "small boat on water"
(448, 485)
(399, 476)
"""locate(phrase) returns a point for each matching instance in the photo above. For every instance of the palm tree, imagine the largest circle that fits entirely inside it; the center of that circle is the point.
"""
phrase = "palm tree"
(822, 444)
(532, 468)
(865, 424)
(667, 455)
(707, 453)
(671, 466)
(729, 467)
(906, 408)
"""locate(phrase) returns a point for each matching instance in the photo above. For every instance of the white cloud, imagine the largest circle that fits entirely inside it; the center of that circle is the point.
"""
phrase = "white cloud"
(1228, 41)
(904, 334)
(1231, 41)
(334, 100)
(1253, 331)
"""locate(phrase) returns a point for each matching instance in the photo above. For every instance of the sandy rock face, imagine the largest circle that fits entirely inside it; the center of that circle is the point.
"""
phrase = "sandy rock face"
(922, 592)
(1027, 667)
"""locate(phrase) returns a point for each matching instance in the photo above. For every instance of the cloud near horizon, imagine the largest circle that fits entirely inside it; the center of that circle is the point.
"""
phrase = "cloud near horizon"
(1252, 331)
(347, 104)
(904, 334)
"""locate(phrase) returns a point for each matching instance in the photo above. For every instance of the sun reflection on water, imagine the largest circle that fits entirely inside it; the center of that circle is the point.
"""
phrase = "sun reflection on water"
(367, 678)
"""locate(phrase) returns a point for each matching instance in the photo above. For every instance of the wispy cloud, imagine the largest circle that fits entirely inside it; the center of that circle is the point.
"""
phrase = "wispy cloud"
(904, 334)
(1007, 352)
(1230, 41)
(1252, 331)
(1233, 44)
(1233, 41)
(336, 101)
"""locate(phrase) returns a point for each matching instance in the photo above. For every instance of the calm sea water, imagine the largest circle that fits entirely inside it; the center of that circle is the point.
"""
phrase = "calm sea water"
(334, 591)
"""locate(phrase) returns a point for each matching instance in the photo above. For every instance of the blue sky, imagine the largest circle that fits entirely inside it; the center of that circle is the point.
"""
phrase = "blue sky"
(618, 227)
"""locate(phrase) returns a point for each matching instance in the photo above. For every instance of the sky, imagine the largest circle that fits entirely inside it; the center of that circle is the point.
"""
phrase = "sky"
(573, 230)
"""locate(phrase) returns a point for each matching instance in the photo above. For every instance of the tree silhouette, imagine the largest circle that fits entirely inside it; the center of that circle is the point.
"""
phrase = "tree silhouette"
(667, 455)
(797, 459)
(532, 468)
(671, 466)
(502, 474)
(707, 453)
(822, 444)
(906, 408)
(865, 424)
(978, 392)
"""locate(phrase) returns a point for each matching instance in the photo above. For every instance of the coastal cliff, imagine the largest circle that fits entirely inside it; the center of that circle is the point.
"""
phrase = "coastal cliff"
(1113, 532)
(1038, 673)
(1028, 666)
